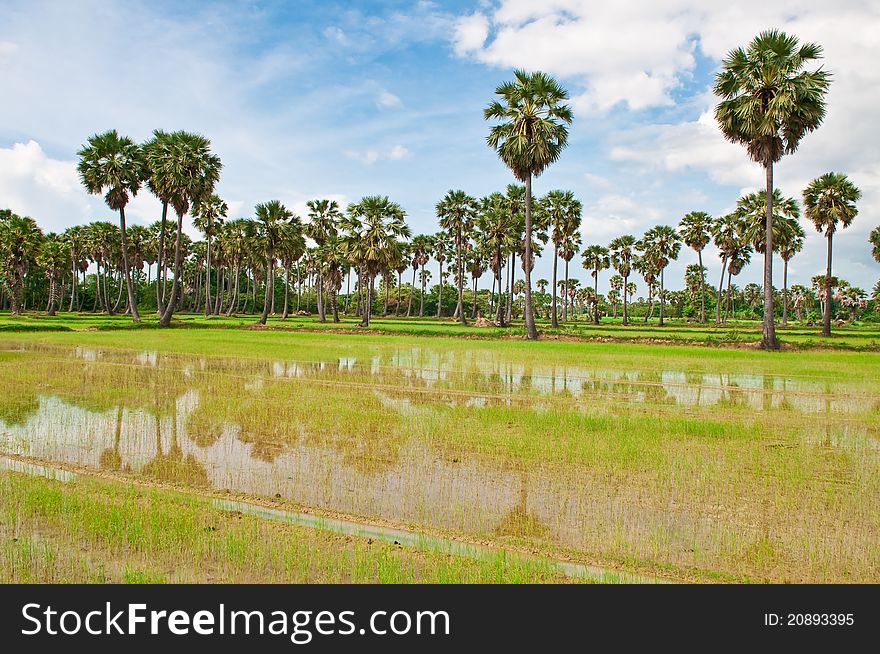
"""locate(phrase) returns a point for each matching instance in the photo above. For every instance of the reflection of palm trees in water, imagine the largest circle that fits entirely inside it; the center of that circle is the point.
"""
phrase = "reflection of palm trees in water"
(110, 458)
(518, 522)
(174, 466)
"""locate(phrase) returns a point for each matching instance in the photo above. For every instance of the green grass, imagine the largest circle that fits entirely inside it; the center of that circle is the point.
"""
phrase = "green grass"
(95, 531)
(699, 463)
(860, 336)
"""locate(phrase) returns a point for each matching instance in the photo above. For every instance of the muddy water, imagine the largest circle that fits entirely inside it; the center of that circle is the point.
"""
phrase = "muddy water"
(145, 413)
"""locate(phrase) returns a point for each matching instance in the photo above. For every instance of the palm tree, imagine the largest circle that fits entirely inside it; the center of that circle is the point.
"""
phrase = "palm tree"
(74, 240)
(374, 226)
(563, 215)
(752, 209)
(441, 245)
(113, 165)
(53, 259)
(421, 247)
(208, 214)
(695, 282)
(595, 259)
(664, 244)
(790, 244)
(182, 172)
(830, 200)
(727, 232)
(493, 227)
(696, 232)
(291, 247)
(20, 240)
(621, 254)
(323, 225)
(457, 211)
(272, 219)
(874, 240)
(768, 103)
(530, 136)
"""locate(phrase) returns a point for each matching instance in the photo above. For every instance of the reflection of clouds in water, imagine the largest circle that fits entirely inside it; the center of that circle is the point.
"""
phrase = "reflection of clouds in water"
(148, 358)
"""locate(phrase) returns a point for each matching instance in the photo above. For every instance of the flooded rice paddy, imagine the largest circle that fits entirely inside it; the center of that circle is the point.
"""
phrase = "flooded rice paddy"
(706, 471)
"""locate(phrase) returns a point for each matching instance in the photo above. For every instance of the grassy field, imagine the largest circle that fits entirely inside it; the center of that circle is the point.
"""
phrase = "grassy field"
(682, 461)
(743, 333)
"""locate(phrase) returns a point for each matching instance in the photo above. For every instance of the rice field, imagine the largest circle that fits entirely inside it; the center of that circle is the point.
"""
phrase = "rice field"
(672, 461)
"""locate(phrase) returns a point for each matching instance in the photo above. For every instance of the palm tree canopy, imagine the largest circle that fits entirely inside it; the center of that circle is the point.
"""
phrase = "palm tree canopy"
(621, 252)
(456, 211)
(752, 210)
(375, 225)
(113, 165)
(532, 129)
(181, 169)
(791, 238)
(324, 218)
(696, 230)
(768, 101)
(272, 217)
(596, 258)
(830, 200)
(874, 240)
(661, 244)
(209, 212)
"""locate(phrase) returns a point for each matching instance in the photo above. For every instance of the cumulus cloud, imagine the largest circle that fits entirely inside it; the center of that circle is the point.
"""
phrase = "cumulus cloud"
(387, 100)
(470, 33)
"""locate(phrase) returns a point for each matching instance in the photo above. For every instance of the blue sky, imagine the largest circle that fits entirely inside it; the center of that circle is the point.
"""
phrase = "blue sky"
(317, 99)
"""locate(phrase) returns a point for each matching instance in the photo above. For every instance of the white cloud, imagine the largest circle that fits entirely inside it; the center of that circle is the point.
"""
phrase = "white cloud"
(399, 152)
(371, 155)
(470, 33)
(387, 100)
(7, 50)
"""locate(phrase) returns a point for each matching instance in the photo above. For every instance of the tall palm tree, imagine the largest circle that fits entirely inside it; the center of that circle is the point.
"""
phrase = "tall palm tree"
(790, 244)
(727, 232)
(663, 244)
(621, 251)
(323, 225)
(74, 240)
(457, 211)
(568, 248)
(114, 165)
(829, 201)
(563, 216)
(494, 235)
(595, 259)
(374, 225)
(208, 214)
(182, 171)
(441, 244)
(752, 209)
(696, 232)
(531, 133)
(272, 219)
(421, 249)
(291, 247)
(20, 240)
(53, 258)
(768, 103)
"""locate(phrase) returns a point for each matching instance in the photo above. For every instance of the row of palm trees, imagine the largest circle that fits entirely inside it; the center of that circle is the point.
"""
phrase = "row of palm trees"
(768, 103)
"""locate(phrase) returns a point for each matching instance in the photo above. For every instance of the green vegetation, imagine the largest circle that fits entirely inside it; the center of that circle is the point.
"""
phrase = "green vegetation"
(98, 531)
(687, 462)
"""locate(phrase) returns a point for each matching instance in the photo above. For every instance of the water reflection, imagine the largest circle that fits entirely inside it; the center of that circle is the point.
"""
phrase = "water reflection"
(358, 434)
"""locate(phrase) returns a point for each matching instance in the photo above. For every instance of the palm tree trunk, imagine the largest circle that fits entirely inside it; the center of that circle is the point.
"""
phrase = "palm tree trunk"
(785, 292)
(508, 295)
(440, 291)
(702, 288)
(286, 292)
(319, 290)
(531, 330)
(422, 299)
(208, 307)
(399, 289)
(625, 315)
(122, 287)
(727, 301)
(165, 320)
(662, 298)
(554, 323)
(387, 282)
(565, 299)
(234, 301)
(412, 288)
(132, 298)
(160, 264)
(460, 308)
(267, 300)
(474, 312)
(365, 321)
(768, 338)
(720, 287)
(826, 310)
